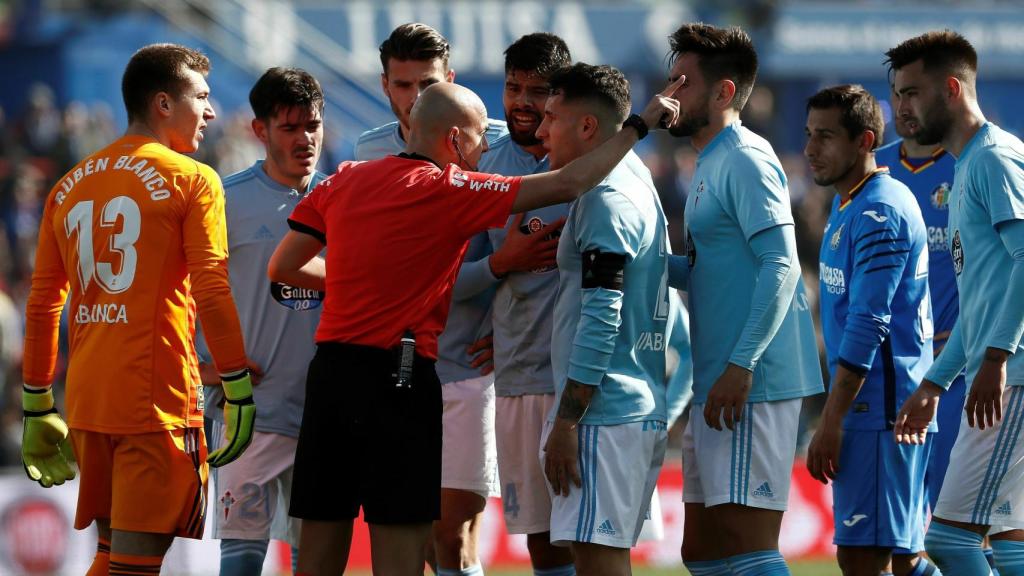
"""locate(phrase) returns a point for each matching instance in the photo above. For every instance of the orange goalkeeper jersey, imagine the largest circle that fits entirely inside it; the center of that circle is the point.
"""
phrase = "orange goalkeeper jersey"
(137, 232)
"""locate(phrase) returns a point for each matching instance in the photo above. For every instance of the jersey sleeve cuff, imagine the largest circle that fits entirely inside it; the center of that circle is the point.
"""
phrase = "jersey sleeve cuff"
(855, 368)
(585, 375)
(307, 229)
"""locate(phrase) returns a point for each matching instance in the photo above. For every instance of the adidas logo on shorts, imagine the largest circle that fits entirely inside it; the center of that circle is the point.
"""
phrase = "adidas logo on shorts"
(764, 491)
(1004, 509)
(606, 528)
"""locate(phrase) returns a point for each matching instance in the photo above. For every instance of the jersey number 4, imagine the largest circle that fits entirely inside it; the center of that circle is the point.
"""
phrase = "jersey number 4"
(79, 219)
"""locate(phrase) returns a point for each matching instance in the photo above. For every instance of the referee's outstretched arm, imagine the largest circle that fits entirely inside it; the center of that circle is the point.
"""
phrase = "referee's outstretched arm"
(582, 174)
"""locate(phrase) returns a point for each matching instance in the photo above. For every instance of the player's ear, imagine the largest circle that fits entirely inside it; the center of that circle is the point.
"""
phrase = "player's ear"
(726, 92)
(588, 126)
(452, 141)
(163, 103)
(954, 88)
(867, 141)
(259, 128)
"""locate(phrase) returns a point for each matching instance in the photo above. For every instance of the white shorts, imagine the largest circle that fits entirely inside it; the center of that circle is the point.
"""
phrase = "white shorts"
(519, 423)
(253, 492)
(756, 457)
(653, 529)
(986, 484)
(619, 467)
(469, 460)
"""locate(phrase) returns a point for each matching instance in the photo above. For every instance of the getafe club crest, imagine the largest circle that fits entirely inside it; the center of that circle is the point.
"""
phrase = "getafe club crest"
(940, 196)
(834, 242)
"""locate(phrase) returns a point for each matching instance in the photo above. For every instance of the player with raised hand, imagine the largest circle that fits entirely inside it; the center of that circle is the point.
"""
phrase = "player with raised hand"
(605, 441)
(753, 343)
(136, 233)
(935, 81)
(877, 324)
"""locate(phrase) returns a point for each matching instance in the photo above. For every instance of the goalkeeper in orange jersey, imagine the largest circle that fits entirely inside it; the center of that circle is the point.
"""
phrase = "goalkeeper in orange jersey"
(136, 232)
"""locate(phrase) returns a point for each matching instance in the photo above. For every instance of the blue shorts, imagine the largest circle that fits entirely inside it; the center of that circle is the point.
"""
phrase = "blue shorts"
(878, 495)
(951, 408)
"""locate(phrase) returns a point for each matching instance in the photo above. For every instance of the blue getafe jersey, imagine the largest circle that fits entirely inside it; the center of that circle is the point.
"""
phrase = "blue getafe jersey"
(468, 317)
(988, 190)
(615, 339)
(738, 190)
(875, 312)
(278, 321)
(524, 302)
(930, 180)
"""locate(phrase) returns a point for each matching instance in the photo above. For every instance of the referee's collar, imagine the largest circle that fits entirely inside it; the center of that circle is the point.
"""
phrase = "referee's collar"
(415, 156)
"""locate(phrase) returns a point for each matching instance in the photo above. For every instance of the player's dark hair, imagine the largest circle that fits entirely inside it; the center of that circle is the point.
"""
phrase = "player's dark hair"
(942, 51)
(414, 41)
(602, 85)
(283, 88)
(859, 111)
(541, 53)
(722, 54)
(158, 68)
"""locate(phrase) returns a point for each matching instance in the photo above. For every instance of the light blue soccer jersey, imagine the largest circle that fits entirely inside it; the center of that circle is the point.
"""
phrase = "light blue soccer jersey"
(278, 321)
(615, 339)
(524, 302)
(739, 190)
(930, 179)
(468, 316)
(875, 314)
(987, 193)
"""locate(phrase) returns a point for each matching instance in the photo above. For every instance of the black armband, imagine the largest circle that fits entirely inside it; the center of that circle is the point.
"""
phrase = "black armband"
(603, 269)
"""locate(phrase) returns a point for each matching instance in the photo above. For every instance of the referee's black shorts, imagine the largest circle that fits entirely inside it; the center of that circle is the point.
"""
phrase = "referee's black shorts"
(365, 443)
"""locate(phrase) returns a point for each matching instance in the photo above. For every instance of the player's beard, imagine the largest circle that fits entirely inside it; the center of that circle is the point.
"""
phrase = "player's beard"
(692, 123)
(524, 138)
(934, 123)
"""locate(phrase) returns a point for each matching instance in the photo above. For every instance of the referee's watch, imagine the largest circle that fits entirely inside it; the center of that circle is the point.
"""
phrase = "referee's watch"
(636, 122)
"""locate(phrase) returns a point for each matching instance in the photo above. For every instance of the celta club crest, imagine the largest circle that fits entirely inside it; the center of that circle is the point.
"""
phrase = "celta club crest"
(940, 196)
(834, 242)
(956, 250)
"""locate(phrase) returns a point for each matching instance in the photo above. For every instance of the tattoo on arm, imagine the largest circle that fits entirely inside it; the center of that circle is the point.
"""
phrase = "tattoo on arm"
(575, 400)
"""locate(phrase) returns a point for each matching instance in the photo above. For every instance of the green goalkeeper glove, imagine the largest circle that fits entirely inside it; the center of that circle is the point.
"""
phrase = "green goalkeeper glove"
(239, 414)
(45, 449)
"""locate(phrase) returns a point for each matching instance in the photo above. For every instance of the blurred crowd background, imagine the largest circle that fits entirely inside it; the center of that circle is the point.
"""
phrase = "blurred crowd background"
(62, 60)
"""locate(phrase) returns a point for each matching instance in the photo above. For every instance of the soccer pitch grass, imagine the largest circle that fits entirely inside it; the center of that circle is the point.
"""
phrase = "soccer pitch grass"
(802, 568)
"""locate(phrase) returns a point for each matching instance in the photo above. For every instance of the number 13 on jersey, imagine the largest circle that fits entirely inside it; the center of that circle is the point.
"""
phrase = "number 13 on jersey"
(79, 221)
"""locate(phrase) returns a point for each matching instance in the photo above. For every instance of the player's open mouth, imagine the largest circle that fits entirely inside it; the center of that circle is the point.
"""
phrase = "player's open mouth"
(523, 121)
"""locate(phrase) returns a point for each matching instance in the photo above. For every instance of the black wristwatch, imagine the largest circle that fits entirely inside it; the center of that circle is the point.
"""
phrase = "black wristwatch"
(638, 123)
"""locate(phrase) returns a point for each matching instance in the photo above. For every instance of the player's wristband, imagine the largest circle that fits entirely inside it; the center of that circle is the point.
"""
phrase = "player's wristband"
(636, 122)
(37, 401)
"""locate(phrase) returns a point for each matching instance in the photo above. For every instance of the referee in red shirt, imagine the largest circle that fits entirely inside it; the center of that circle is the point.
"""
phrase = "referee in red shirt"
(397, 229)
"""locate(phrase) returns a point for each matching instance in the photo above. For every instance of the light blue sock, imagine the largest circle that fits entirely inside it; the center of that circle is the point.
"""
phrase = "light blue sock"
(925, 568)
(955, 550)
(991, 560)
(1009, 556)
(567, 570)
(474, 570)
(242, 557)
(763, 563)
(708, 568)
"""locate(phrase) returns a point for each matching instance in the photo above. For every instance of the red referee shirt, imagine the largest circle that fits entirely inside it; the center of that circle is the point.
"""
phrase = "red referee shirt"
(396, 230)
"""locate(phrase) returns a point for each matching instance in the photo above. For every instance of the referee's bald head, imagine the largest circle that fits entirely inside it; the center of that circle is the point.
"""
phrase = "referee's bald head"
(441, 107)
